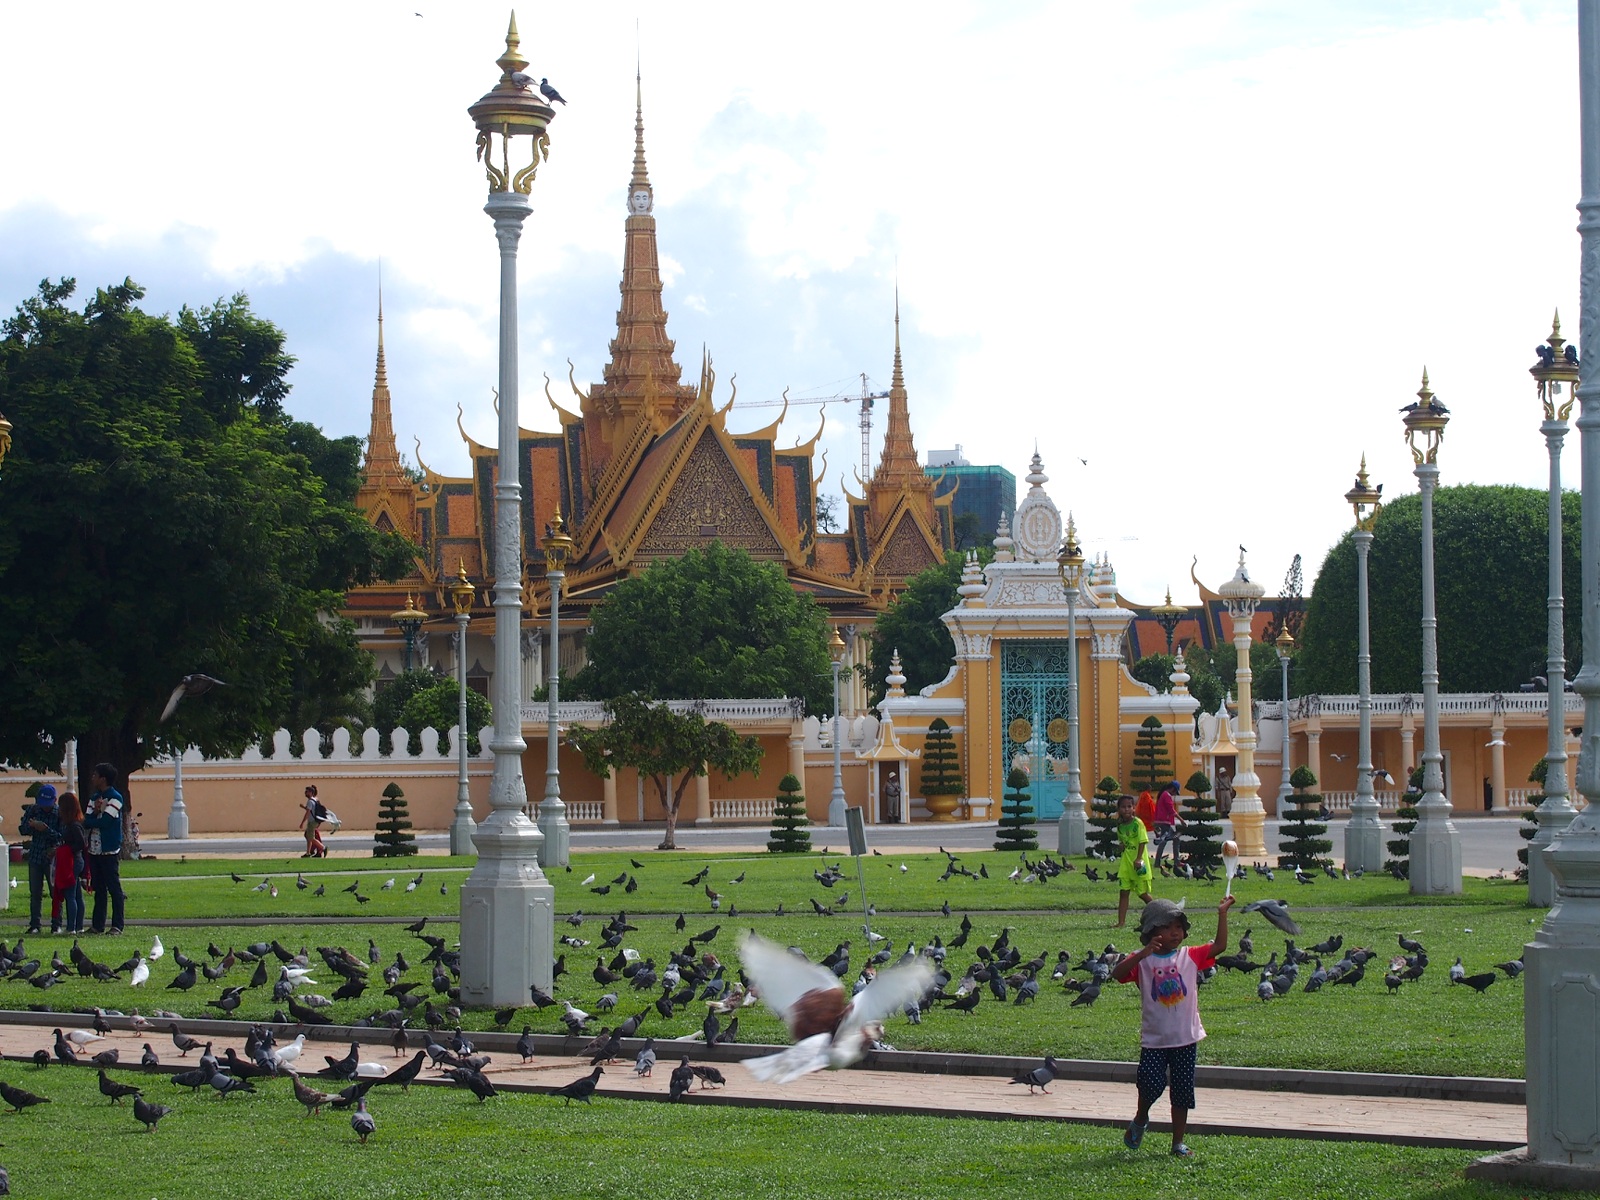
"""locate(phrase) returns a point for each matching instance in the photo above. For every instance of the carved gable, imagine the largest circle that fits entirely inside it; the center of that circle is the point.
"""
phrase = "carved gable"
(709, 502)
(907, 551)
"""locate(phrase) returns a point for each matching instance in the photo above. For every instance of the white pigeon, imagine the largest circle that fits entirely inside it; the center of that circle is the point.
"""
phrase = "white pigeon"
(412, 885)
(141, 973)
(587, 881)
(371, 1071)
(298, 975)
(388, 887)
(156, 948)
(574, 1013)
(262, 886)
(82, 1037)
(285, 1055)
(316, 1001)
(830, 1029)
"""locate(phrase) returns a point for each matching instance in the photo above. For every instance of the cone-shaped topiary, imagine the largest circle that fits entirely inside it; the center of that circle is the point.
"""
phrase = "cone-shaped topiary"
(394, 838)
(1016, 829)
(789, 834)
(1152, 767)
(941, 769)
(1302, 845)
(1201, 832)
(1102, 834)
(1530, 819)
(1405, 820)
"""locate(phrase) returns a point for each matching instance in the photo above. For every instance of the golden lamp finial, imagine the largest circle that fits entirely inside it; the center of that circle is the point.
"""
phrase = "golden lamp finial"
(1428, 418)
(1557, 365)
(1365, 499)
(514, 107)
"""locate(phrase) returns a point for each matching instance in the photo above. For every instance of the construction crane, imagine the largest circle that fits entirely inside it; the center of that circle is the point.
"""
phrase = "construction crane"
(865, 399)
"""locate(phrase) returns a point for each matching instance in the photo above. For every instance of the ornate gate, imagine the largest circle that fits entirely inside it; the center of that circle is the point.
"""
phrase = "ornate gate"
(1033, 719)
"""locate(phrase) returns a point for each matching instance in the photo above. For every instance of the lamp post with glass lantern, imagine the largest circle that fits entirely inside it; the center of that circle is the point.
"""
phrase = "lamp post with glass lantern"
(836, 805)
(1557, 365)
(462, 825)
(1435, 841)
(1072, 828)
(409, 619)
(1363, 832)
(552, 811)
(507, 904)
(1285, 648)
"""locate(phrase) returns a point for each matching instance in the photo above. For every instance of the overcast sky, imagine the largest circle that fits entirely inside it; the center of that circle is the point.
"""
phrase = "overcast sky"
(1207, 247)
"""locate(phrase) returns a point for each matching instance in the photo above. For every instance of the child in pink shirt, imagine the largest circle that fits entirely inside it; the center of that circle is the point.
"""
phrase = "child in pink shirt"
(1168, 976)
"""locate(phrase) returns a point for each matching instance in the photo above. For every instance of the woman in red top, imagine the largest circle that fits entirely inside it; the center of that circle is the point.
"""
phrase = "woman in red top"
(1165, 832)
(1145, 810)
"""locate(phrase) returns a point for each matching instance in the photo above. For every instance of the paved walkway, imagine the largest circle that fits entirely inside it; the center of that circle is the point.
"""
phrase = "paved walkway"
(1385, 1114)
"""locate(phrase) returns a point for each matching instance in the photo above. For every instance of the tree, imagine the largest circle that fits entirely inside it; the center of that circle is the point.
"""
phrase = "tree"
(941, 764)
(669, 748)
(1405, 820)
(912, 625)
(1016, 829)
(389, 706)
(1489, 542)
(1152, 766)
(1302, 845)
(712, 624)
(394, 838)
(789, 835)
(1202, 831)
(827, 513)
(439, 707)
(1102, 833)
(1156, 670)
(165, 516)
(1289, 609)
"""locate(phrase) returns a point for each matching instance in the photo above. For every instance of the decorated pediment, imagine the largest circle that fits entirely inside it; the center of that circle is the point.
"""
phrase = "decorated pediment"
(909, 548)
(709, 501)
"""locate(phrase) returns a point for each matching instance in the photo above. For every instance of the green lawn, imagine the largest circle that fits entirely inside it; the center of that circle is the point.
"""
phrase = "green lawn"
(442, 1142)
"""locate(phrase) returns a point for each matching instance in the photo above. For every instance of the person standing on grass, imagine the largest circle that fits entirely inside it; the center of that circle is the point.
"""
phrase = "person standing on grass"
(1169, 1008)
(1133, 869)
(104, 827)
(71, 863)
(41, 825)
(1167, 822)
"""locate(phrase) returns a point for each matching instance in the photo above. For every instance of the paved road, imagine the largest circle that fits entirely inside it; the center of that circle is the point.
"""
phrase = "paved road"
(1488, 844)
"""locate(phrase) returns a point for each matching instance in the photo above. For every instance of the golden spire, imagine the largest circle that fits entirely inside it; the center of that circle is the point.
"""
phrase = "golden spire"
(898, 465)
(641, 175)
(382, 466)
(898, 380)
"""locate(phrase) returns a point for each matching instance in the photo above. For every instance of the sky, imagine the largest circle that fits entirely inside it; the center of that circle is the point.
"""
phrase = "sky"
(1197, 253)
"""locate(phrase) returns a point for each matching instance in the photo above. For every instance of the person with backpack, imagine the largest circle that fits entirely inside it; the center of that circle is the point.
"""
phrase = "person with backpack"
(41, 825)
(311, 822)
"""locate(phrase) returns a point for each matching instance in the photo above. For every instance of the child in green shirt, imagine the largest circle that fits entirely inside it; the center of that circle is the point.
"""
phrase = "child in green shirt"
(1133, 869)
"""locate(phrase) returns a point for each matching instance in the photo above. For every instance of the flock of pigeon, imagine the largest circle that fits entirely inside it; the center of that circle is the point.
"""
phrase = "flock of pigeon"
(301, 883)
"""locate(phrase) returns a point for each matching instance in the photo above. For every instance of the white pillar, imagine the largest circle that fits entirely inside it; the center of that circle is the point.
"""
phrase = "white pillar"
(178, 817)
(1363, 832)
(552, 809)
(462, 825)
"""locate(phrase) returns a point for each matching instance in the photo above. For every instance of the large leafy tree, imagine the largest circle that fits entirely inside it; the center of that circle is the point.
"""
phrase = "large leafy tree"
(912, 626)
(163, 515)
(1490, 570)
(712, 624)
(669, 748)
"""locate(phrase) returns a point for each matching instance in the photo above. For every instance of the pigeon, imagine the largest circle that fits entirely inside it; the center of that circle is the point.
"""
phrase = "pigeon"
(1277, 914)
(225, 1083)
(361, 1121)
(549, 93)
(830, 1029)
(1040, 1077)
(581, 1089)
(19, 1098)
(147, 1114)
(682, 1079)
(191, 685)
(645, 1063)
(284, 1056)
(1479, 983)
(309, 1096)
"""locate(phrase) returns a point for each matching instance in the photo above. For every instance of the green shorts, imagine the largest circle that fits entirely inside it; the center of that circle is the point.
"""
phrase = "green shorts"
(1131, 880)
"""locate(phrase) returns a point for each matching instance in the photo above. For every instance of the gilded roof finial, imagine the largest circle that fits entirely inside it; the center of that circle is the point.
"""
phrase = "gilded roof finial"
(641, 175)
(898, 382)
(511, 62)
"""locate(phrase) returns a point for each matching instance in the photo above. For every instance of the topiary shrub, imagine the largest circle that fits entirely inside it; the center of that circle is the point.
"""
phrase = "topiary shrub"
(394, 838)
(1530, 819)
(1152, 767)
(1302, 846)
(941, 768)
(1201, 831)
(1102, 832)
(1405, 820)
(789, 820)
(1016, 830)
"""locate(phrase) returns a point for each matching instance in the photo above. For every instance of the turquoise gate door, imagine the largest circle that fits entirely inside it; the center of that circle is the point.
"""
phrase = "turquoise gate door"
(1033, 718)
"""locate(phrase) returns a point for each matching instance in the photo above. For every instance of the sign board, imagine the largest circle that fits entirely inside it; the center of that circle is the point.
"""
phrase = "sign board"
(855, 826)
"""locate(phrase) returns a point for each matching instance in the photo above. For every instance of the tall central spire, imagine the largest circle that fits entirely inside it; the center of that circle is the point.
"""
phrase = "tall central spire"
(382, 466)
(898, 465)
(641, 377)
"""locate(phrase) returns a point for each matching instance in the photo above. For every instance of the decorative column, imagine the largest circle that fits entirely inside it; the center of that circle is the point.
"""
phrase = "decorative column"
(1435, 841)
(1285, 648)
(608, 799)
(1497, 761)
(702, 796)
(557, 548)
(1243, 595)
(1363, 832)
(507, 905)
(1072, 830)
(1563, 977)
(1558, 365)
(462, 826)
(178, 817)
(836, 803)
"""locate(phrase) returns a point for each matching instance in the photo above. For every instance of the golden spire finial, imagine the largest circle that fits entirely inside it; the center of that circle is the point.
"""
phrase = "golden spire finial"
(1555, 324)
(898, 381)
(641, 174)
(511, 62)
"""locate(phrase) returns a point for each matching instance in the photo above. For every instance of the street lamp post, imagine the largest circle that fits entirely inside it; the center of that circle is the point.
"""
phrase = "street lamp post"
(507, 904)
(1435, 841)
(409, 619)
(836, 651)
(1558, 365)
(462, 826)
(1363, 832)
(552, 811)
(178, 815)
(1167, 615)
(1285, 647)
(1242, 595)
(1072, 830)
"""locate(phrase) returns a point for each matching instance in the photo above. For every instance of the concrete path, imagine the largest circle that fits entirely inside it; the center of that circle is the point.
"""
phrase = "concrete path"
(1329, 1106)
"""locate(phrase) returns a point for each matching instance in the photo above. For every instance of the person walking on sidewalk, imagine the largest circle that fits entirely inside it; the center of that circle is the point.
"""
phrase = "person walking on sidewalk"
(1169, 1007)
(41, 825)
(104, 827)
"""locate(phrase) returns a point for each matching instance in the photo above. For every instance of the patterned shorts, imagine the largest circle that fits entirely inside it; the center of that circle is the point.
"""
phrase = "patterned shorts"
(1154, 1066)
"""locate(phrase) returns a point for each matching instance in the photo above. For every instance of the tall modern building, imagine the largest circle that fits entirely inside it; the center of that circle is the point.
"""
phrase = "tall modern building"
(982, 495)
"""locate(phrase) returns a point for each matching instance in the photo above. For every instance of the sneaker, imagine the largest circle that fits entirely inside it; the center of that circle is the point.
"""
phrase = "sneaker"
(1135, 1134)
(116, 933)
(32, 931)
(1182, 1150)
